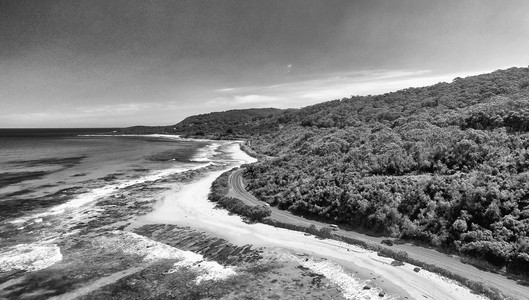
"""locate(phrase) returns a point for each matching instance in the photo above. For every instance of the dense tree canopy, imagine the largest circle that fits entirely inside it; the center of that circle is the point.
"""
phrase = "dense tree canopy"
(217, 125)
(447, 165)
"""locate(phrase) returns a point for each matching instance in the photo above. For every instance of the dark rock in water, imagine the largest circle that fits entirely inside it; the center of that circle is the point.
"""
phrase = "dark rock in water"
(416, 269)
(12, 208)
(17, 193)
(17, 177)
(366, 287)
(110, 177)
(211, 247)
(5, 276)
(64, 161)
(381, 294)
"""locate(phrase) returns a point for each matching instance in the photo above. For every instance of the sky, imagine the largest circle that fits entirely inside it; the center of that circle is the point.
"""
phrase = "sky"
(92, 63)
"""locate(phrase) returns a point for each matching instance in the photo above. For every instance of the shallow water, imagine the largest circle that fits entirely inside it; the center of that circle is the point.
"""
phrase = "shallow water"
(81, 178)
(43, 170)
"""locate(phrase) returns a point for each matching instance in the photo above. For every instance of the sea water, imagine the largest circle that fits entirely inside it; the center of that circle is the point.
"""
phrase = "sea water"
(44, 168)
(49, 177)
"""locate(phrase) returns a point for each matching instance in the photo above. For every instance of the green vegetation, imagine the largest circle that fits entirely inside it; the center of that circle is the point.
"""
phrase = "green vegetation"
(219, 189)
(446, 165)
(238, 123)
(228, 124)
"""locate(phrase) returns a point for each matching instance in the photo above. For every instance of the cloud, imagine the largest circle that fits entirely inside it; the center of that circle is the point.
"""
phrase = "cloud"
(79, 116)
(246, 99)
(326, 87)
(241, 101)
(294, 94)
(225, 90)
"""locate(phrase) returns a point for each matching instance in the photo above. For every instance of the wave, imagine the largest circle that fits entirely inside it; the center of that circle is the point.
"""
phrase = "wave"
(170, 136)
(132, 243)
(98, 193)
(205, 154)
(29, 257)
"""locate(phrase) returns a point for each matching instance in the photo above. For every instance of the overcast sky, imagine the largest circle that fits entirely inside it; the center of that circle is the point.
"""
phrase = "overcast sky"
(121, 63)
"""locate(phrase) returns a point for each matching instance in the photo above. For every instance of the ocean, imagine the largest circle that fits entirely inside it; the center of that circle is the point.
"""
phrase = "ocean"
(43, 168)
(73, 203)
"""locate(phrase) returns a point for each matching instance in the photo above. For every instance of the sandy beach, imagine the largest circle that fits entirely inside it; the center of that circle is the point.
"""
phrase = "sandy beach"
(187, 205)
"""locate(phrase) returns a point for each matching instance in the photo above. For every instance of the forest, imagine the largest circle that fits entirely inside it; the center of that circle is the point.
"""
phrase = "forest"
(216, 125)
(445, 165)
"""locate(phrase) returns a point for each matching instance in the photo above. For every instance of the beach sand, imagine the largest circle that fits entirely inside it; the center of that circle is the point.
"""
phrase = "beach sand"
(188, 206)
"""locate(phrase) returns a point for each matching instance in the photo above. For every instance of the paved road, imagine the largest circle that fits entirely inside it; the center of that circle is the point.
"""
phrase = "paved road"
(452, 263)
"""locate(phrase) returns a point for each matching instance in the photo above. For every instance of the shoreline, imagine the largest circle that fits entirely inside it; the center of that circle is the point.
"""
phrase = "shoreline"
(186, 207)
(181, 199)
(80, 246)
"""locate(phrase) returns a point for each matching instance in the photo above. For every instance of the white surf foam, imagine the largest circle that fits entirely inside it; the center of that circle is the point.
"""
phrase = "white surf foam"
(351, 286)
(206, 153)
(131, 243)
(29, 257)
(98, 193)
(164, 136)
(168, 136)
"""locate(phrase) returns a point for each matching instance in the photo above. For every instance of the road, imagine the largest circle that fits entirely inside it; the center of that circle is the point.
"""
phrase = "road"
(452, 263)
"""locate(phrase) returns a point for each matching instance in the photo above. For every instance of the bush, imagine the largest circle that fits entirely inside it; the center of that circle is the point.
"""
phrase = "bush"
(325, 232)
(219, 188)
(236, 206)
(387, 242)
(259, 212)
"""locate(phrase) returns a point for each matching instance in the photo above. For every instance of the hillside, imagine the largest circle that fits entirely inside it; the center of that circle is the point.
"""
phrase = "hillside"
(216, 125)
(231, 123)
(446, 165)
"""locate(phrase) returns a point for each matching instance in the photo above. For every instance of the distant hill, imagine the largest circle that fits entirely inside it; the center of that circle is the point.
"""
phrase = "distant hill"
(227, 124)
(231, 123)
(443, 104)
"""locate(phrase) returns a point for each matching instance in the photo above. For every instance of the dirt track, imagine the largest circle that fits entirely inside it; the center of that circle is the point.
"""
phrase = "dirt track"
(511, 287)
